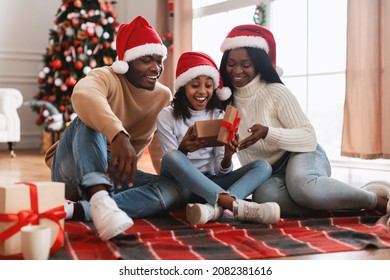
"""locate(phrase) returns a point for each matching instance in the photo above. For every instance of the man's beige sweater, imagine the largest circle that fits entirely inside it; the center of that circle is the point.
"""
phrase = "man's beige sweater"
(108, 103)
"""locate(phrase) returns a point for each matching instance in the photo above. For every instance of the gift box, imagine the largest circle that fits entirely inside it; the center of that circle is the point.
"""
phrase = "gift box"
(208, 131)
(229, 125)
(31, 203)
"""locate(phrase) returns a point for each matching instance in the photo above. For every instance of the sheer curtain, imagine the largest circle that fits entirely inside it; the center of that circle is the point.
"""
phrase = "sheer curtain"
(366, 131)
(181, 27)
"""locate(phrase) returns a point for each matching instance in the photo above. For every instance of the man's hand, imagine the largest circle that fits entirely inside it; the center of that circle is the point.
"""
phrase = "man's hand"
(124, 158)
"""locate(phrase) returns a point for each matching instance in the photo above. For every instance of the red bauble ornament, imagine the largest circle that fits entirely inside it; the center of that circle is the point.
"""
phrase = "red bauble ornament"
(56, 64)
(61, 108)
(65, 72)
(70, 81)
(75, 22)
(78, 65)
(77, 3)
(65, 44)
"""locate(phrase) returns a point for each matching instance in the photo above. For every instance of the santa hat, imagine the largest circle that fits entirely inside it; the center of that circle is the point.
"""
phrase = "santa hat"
(136, 39)
(254, 36)
(193, 64)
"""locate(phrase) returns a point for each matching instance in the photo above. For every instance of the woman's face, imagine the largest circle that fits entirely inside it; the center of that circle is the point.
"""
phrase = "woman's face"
(199, 91)
(240, 68)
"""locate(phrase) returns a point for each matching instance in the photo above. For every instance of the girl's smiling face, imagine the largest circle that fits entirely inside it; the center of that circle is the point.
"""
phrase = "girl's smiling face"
(199, 91)
(240, 68)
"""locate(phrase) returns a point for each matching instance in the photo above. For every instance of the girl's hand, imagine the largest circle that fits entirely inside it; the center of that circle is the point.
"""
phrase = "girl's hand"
(230, 149)
(189, 143)
(258, 132)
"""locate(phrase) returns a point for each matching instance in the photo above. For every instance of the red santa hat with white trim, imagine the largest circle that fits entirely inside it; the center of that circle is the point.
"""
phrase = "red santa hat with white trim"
(193, 64)
(135, 39)
(254, 36)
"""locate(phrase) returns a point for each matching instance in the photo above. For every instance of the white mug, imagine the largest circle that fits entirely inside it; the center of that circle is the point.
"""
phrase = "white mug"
(36, 242)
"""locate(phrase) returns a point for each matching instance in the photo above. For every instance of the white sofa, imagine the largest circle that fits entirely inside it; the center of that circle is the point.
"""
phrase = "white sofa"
(10, 100)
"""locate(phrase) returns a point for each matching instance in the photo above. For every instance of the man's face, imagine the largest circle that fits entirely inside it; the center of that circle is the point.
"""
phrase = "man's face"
(144, 71)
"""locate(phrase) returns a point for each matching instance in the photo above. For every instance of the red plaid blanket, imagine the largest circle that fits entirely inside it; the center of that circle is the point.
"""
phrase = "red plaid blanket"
(170, 237)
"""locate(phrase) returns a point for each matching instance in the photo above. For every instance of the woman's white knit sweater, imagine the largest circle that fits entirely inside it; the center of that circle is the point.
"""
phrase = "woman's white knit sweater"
(272, 105)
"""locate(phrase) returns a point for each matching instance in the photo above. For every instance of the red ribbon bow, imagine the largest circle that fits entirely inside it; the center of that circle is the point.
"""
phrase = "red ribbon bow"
(232, 127)
(32, 216)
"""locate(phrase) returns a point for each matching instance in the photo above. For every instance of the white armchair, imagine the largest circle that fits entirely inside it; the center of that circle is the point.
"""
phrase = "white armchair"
(10, 100)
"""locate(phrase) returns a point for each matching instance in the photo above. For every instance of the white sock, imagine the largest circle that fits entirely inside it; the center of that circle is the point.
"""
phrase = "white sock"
(69, 209)
(98, 195)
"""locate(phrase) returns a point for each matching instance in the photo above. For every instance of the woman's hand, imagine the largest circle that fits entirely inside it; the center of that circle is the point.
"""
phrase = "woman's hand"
(189, 143)
(124, 158)
(257, 132)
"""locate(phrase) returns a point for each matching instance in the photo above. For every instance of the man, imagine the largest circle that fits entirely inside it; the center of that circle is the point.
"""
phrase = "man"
(97, 155)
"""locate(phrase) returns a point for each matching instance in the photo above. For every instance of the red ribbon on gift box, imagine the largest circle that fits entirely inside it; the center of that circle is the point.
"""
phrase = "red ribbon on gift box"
(32, 216)
(232, 127)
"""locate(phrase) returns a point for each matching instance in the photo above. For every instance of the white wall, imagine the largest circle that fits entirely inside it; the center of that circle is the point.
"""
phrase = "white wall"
(24, 34)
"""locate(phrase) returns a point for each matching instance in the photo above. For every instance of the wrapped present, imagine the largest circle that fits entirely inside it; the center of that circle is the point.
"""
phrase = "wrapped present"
(208, 131)
(31, 203)
(229, 125)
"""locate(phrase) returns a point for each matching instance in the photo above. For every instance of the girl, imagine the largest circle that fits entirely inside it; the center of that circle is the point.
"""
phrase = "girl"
(207, 171)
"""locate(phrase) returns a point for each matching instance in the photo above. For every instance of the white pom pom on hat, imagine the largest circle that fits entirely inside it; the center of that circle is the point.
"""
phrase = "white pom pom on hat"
(193, 64)
(254, 36)
(135, 39)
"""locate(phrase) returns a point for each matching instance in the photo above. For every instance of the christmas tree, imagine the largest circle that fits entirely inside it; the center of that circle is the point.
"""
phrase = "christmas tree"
(82, 39)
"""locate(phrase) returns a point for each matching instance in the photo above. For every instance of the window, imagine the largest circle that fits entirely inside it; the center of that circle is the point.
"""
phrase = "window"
(311, 42)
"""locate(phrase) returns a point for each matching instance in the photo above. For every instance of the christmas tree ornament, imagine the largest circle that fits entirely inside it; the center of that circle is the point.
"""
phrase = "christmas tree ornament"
(78, 65)
(86, 70)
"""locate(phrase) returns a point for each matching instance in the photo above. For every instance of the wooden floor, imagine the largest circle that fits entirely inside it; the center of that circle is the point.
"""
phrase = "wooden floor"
(29, 165)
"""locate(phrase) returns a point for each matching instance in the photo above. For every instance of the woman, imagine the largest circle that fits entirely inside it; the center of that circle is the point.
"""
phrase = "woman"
(275, 128)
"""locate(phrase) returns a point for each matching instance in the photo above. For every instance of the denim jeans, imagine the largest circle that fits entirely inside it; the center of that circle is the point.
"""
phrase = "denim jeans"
(239, 183)
(301, 183)
(81, 160)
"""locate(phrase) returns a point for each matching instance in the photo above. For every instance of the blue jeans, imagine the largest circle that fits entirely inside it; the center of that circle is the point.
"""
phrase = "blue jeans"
(301, 183)
(239, 183)
(81, 160)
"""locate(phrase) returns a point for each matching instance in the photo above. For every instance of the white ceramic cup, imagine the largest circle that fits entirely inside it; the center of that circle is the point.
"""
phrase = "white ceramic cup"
(36, 242)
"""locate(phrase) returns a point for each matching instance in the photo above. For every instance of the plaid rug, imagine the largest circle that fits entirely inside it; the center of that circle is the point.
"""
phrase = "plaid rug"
(170, 237)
